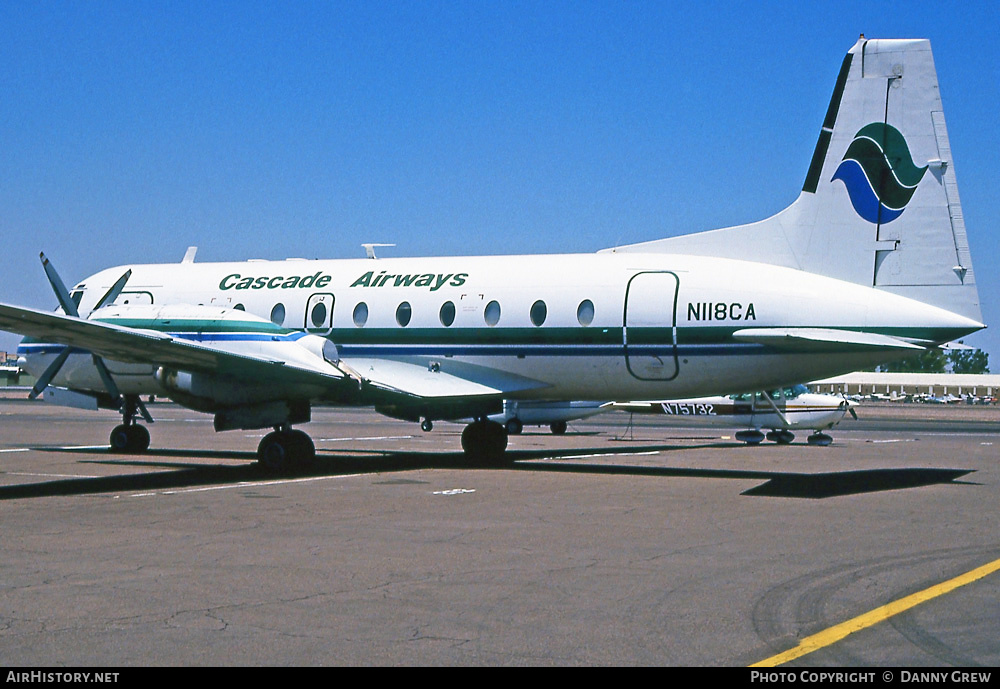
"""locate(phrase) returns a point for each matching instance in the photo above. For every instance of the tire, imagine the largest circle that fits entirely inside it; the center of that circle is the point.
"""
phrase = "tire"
(129, 439)
(485, 441)
(273, 452)
(119, 439)
(138, 439)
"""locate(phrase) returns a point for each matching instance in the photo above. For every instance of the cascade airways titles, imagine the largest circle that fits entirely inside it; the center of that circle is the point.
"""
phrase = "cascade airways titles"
(434, 282)
(319, 280)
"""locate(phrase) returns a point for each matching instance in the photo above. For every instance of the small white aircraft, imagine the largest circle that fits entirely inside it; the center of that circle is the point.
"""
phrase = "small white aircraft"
(779, 411)
(869, 263)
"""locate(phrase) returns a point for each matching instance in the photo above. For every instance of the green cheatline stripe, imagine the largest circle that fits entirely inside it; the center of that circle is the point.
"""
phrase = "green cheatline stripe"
(699, 335)
(198, 325)
(440, 335)
(483, 335)
(844, 629)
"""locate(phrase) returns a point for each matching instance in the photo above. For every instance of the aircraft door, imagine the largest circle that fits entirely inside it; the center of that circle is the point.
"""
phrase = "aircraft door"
(650, 332)
(319, 314)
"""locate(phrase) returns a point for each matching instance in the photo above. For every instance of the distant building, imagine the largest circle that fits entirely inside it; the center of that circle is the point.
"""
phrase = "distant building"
(903, 384)
(9, 372)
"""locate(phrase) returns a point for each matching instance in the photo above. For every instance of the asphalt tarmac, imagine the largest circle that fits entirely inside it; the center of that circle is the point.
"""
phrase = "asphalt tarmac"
(653, 544)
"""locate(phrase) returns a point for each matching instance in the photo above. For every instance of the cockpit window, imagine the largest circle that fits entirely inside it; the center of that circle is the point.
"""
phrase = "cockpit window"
(796, 390)
(786, 393)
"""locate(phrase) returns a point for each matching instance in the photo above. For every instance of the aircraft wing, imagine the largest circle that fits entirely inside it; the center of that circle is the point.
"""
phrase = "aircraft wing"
(131, 345)
(820, 337)
(439, 389)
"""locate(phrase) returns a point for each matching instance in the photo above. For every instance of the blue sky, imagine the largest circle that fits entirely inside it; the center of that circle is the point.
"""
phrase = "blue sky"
(132, 130)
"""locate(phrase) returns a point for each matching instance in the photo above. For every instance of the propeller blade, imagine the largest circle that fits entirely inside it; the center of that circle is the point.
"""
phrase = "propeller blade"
(62, 294)
(115, 290)
(50, 373)
(109, 384)
(853, 413)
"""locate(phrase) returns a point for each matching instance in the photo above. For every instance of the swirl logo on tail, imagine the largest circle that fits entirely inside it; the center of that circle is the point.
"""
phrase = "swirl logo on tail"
(879, 173)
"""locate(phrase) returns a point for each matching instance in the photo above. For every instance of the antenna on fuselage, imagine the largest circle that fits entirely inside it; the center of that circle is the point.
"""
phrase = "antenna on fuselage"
(189, 254)
(370, 249)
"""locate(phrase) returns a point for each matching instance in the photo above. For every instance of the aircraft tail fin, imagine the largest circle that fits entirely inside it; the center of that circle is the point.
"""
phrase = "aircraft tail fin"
(880, 204)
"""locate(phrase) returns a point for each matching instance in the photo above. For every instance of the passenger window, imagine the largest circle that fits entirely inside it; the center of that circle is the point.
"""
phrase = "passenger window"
(585, 312)
(318, 315)
(447, 313)
(492, 313)
(538, 313)
(403, 313)
(278, 314)
(361, 314)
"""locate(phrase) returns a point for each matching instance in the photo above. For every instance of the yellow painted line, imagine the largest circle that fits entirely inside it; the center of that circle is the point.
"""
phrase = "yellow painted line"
(844, 629)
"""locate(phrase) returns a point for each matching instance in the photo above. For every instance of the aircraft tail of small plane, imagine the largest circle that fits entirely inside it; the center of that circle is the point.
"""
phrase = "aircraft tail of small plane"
(880, 205)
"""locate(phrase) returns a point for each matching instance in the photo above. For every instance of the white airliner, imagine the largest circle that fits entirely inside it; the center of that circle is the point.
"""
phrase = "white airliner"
(869, 263)
(779, 411)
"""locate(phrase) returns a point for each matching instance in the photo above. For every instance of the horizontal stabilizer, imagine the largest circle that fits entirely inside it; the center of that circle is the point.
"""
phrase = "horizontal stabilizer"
(795, 337)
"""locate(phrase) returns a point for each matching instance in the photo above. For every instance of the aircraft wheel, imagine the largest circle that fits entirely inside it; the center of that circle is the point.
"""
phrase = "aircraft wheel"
(138, 439)
(284, 450)
(821, 439)
(129, 439)
(303, 449)
(514, 426)
(773, 436)
(750, 437)
(785, 437)
(485, 441)
(558, 427)
(273, 453)
(426, 425)
(119, 438)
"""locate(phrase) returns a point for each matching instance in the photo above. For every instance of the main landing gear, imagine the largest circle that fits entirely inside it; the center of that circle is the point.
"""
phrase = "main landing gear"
(130, 437)
(781, 437)
(285, 448)
(819, 438)
(485, 440)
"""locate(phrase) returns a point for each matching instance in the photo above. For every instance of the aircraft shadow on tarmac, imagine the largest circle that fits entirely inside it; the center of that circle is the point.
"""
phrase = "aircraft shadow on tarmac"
(184, 474)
